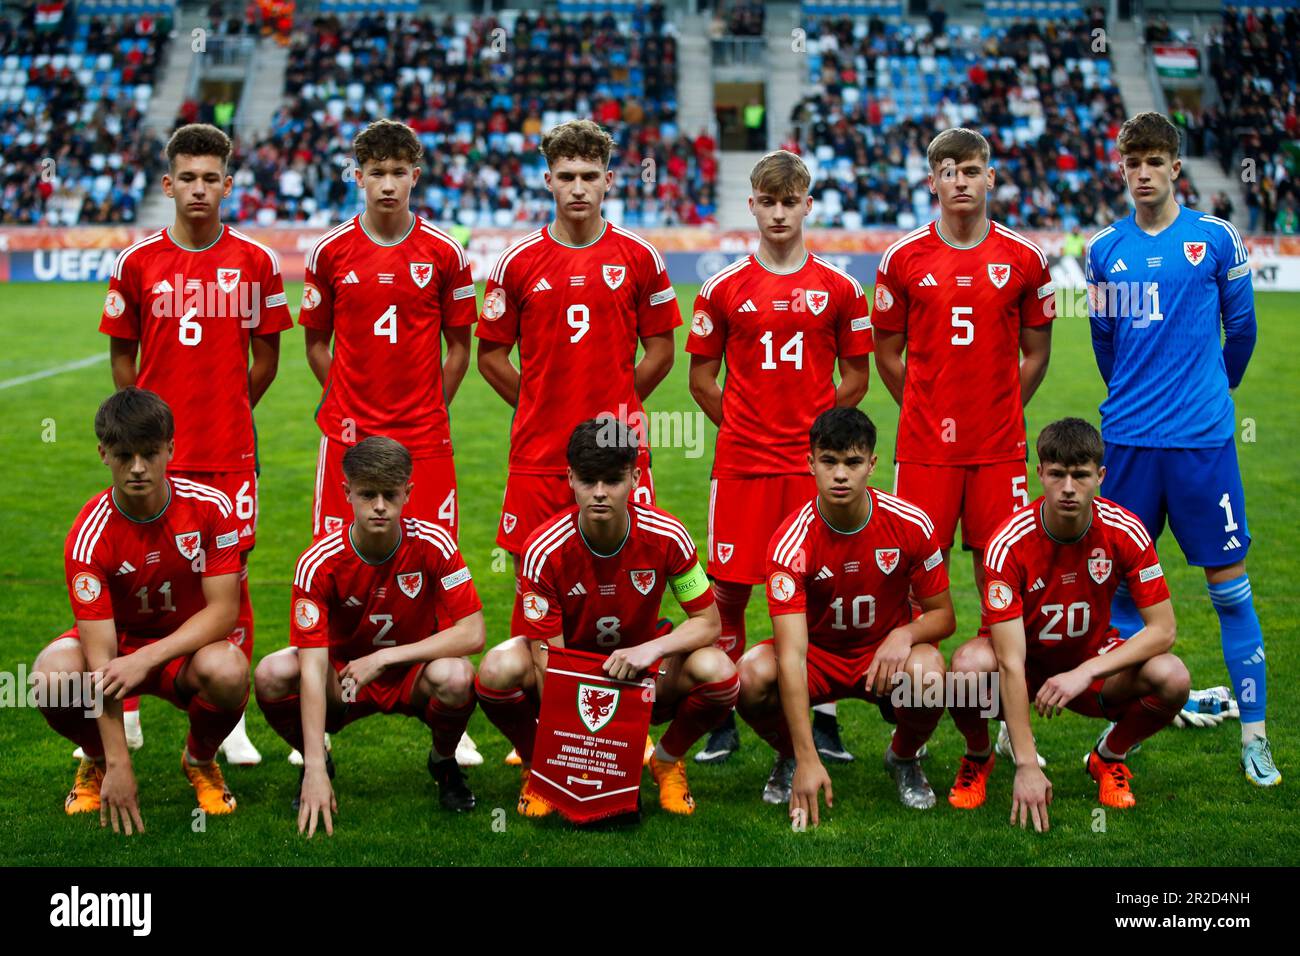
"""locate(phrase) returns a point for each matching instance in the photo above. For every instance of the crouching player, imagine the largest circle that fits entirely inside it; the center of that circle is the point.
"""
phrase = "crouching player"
(1050, 573)
(363, 633)
(839, 571)
(593, 578)
(153, 575)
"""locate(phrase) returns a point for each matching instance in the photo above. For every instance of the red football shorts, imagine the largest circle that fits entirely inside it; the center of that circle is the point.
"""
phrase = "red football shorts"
(833, 676)
(433, 497)
(161, 681)
(241, 488)
(1090, 703)
(389, 693)
(744, 513)
(532, 499)
(982, 496)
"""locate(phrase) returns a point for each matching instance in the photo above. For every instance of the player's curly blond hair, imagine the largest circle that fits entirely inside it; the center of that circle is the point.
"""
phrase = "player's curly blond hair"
(577, 139)
(377, 462)
(780, 173)
(387, 139)
(1148, 132)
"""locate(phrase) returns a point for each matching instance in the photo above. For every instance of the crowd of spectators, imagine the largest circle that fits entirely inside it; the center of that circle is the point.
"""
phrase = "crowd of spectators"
(479, 92)
(1040, 92)
(74, 143)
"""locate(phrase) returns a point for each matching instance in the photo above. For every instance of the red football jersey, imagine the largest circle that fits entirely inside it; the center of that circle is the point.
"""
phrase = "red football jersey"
(147, 576)
(343, 602)
(962, 310)
(854, 587)
(192, 313)
(780, 336)
(602, 602)
(387, 306)
(1062, 589)
(577, 314)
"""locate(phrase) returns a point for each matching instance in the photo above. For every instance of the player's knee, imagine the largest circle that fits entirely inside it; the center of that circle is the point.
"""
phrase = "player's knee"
(709, 665)
(450, 679)
(926, 658)
(276, 675)
(59, 668)
(1169, 678)
(757, 679)
(975, 656)
(221, 671)
(63, 656)
(502, 668)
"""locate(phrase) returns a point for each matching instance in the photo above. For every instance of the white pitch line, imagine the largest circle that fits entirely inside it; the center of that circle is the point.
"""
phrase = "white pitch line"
(56, 370)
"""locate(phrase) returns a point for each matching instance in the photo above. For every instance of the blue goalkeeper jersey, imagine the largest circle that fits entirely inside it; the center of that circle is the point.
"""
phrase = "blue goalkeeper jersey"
(1156, 304)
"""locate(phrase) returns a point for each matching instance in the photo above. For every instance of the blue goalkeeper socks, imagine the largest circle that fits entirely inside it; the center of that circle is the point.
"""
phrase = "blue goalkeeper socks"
(1124, 613)
(1243, 644)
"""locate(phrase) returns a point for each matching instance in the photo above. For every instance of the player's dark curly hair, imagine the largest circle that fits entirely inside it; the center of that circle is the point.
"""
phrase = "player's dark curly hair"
(1148, 132)
(135, 418)
(602, 449)
(1069, 442)
(378, 463)
(387, 139)
(843, 429)
(198, 139)
(577, 139)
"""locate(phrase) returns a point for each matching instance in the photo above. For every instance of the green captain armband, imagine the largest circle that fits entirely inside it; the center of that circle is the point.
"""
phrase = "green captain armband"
(689, 585)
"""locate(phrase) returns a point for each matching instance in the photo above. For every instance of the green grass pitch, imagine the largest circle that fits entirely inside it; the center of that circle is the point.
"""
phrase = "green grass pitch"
(1194, 805)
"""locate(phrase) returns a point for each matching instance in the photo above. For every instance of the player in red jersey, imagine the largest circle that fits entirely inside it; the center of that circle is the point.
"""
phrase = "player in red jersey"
(388, 287)
(153, 578)
(365, 636)
(575, 297)
(782, 319)
(839, 573)
(191, 302)
(1050, 573)
(971, 302)
(593, 578)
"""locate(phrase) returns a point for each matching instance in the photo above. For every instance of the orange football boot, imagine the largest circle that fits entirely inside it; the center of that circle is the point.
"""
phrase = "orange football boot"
(210, 787)
(84, 795)
(1112, 778)
(530, 804)
(674, 792)
(971, 785)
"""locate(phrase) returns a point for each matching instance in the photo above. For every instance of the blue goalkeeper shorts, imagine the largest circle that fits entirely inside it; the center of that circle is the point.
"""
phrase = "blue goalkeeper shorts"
(1198, 489)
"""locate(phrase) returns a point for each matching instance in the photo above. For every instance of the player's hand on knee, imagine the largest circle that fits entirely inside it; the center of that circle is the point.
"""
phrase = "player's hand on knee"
(1030, 796)
(890, 659)
(1058, 690)
(119, 801)
(316, 802)
(364, 669)
(809, 778)
(122, 675)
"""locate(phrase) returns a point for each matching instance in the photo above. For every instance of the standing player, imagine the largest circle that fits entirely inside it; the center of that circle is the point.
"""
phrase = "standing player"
(1050, 572)
(191, 301)
(782, 319)
(1161, 283)
(365, 635)
(593, 579)
(840, 570)
(575, 296)
(153, 576)
(388, 287)
(971, 302)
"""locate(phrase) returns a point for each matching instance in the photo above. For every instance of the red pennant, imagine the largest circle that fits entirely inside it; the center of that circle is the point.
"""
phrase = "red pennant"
(590, 737)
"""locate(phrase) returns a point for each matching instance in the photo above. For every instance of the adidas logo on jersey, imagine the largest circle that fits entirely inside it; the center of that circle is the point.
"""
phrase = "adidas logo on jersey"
(577, 590)
(1232, 544)
(350, 279)
(824, 573)
(161, 287)
(352, 601)
(542, 286)
(1118, 267)
(928, 280)
(749, 306)
(1038, 585)
(126, 568)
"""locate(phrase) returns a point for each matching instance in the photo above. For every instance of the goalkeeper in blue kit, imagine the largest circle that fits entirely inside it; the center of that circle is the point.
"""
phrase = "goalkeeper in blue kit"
(1162, 284)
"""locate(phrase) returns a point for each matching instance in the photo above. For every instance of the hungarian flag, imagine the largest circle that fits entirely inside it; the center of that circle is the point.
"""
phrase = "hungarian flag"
(49, 14)
(590, 737)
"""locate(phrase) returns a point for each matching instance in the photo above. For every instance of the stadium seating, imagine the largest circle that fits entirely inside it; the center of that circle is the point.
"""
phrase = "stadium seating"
(73, 97)
(479, 92)
(1027, 78)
